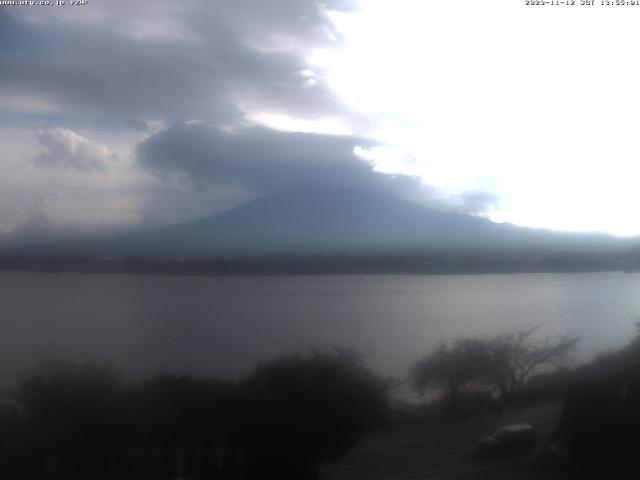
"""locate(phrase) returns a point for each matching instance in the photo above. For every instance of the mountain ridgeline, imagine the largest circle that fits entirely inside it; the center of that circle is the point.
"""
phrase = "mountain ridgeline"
(338, 221)
(324, 221)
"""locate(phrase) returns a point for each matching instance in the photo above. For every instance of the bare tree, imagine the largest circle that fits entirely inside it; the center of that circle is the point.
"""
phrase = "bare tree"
(303, 411)
(466, 361)
(506, 363)
(518, 356)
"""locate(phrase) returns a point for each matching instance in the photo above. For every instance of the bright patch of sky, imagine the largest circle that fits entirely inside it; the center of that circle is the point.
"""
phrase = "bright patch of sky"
(536, 105)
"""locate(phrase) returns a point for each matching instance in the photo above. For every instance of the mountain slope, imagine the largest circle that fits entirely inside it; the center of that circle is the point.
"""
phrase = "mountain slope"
(331, 220)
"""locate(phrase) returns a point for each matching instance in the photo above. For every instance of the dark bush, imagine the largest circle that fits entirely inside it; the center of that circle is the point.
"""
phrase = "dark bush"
(601, 419)
(69, 422)
(76, 421)
(304, 411)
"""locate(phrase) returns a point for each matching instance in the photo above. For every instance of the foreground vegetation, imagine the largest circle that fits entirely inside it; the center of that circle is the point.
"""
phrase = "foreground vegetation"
(500, 366)
(600, 424)
(65, 422)
(294, 413)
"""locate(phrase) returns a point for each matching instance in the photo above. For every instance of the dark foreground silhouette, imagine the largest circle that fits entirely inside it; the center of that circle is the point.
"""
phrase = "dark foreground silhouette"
(289, 415)
(295, 413)
(600, 424)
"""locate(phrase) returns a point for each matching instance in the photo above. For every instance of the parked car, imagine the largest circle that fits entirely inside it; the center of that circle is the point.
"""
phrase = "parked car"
(508, 441)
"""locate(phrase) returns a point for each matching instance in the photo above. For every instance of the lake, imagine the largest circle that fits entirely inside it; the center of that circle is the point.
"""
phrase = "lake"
(225, 326)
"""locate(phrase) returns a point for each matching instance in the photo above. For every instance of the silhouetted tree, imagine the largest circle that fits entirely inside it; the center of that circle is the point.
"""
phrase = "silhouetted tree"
(77, 422)
(187, 421)
(85, 422)
(13, 446)
(518, 356)
(465, 361)
(505, 362)
(301, 411)
(76, 426)
(600, 421)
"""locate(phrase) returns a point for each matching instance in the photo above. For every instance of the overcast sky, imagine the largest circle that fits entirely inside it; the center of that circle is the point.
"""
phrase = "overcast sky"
(122, 114)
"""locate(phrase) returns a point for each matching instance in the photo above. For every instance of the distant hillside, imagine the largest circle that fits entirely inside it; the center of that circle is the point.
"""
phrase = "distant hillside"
(331, 221)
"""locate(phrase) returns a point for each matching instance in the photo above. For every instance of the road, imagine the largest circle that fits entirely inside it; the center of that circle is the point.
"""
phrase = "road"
(441, 450)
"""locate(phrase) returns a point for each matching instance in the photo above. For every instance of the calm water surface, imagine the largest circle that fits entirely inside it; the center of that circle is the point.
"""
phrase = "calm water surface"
(224, 326)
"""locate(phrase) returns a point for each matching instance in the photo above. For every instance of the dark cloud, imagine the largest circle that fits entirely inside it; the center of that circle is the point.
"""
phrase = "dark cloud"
(260, 160)
(163, 62)
(253, 161)
(136, 67)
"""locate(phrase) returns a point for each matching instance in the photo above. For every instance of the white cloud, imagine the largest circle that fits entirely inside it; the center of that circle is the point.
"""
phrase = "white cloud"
(63, 148)
(538, 106)
(67, 196)
(286, 123)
